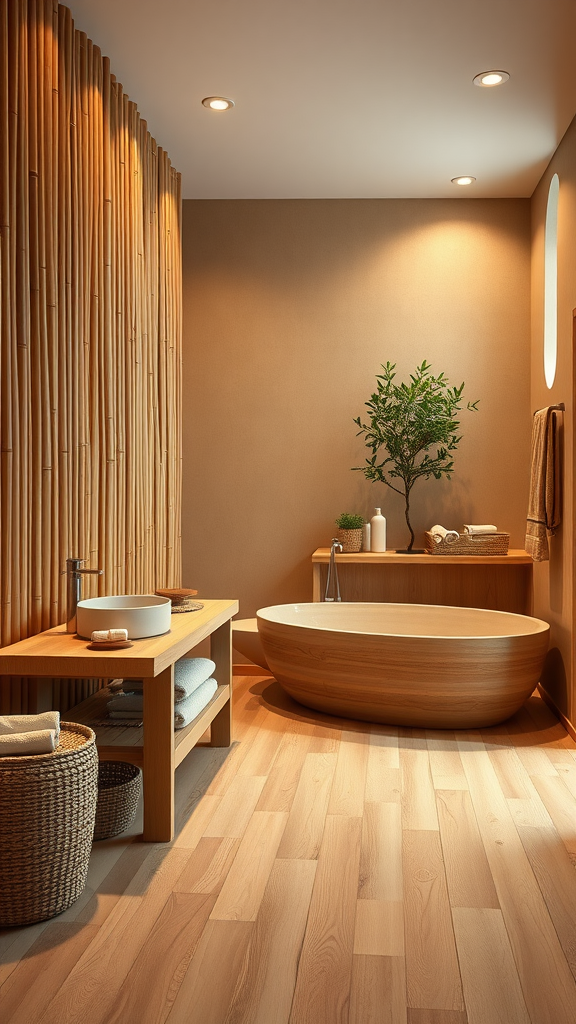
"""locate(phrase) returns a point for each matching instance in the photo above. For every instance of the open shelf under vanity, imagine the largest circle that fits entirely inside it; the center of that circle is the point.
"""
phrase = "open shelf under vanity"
(126, 742)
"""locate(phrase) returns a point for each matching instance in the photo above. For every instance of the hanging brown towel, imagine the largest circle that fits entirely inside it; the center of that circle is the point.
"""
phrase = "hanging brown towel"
(544, 499)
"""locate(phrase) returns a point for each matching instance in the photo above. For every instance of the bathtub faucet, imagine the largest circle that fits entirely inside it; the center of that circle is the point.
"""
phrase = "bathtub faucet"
(332, 583)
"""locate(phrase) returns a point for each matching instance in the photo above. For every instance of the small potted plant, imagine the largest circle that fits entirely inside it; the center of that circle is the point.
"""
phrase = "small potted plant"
(350, 531)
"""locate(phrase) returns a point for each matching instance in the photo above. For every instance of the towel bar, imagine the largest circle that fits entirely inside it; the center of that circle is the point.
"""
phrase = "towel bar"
(553, 408)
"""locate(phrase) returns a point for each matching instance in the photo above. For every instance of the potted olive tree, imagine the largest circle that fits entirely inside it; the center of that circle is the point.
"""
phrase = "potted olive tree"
(411, 431)
(350, 531)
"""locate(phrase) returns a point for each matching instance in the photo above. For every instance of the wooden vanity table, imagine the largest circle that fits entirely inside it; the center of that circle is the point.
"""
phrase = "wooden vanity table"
(155, 747)
(501, 582)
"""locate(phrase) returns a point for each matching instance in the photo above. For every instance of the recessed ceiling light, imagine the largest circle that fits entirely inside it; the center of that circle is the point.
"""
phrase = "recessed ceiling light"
(488, 79)
(464, 179)
(217, 102)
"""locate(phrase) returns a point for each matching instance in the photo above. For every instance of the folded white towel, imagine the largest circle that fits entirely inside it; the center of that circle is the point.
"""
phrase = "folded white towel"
(189, 674)
(108, 635)
(129, 706)
(41, 741)
(188, 709)
(440, 533)
(126, 702)
(31, 723)
(486, 528)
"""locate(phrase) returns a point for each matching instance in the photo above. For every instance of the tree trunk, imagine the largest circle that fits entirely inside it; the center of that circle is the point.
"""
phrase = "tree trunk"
(407, 514)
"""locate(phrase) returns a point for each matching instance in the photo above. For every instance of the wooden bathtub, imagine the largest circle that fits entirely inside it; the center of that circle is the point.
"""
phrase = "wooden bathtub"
(420, 665)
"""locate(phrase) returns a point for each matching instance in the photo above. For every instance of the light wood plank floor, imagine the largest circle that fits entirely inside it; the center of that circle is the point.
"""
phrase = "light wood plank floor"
(328, 872)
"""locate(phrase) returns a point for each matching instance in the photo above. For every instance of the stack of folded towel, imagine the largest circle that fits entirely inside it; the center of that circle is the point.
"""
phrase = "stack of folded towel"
(194, 687)
(29, 734)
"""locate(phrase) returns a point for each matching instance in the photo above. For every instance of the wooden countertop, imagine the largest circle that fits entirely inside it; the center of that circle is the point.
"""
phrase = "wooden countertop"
(57, 653)
(514, 557)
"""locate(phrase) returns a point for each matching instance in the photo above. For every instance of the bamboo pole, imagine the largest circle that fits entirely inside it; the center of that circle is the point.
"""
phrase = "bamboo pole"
(6, 327)
(90, 329)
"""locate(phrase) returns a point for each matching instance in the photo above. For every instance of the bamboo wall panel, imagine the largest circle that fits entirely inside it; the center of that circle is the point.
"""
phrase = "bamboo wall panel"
(90, 329)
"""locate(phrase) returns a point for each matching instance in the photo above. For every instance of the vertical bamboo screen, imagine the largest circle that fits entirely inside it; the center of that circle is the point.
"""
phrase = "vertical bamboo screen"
(90, 327)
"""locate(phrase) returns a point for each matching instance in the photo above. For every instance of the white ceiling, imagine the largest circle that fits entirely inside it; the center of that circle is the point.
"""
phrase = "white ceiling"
(345, 98)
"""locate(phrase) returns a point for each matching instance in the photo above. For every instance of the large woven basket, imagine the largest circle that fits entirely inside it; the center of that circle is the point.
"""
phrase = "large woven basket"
(47, 811)
(119, 786)
(479, 544)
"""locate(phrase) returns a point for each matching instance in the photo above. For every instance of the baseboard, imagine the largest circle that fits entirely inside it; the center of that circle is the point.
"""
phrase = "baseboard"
(570, 729)
(247, 669)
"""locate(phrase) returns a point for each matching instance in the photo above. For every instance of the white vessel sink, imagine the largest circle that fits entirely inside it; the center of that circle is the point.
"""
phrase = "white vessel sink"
(141, 614)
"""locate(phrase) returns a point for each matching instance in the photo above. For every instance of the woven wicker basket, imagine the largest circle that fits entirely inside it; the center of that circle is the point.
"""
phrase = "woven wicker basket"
(481, 544)
(47, 811)
(119, 786)
(351, 540)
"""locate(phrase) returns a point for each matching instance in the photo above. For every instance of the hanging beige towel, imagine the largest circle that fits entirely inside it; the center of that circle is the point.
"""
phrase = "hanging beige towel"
(544, 499)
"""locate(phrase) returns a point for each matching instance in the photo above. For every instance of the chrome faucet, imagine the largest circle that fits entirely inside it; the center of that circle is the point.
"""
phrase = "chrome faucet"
(74, 576)
(332, 577)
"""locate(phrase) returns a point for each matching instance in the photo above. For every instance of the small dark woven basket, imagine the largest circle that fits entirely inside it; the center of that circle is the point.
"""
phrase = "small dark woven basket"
(47, 811)
(119, 785)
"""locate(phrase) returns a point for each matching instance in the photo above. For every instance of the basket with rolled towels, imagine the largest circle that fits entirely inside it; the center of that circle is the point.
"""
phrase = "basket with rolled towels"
(194, 687)
(475, 539)
(29, 734)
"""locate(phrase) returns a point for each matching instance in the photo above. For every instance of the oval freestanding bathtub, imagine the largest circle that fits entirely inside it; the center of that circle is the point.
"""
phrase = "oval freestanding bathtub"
(430, 666)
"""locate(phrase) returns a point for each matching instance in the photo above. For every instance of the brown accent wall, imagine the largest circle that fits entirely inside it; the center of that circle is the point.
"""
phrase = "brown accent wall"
(290, 307)
(554, 580)
(90, 330)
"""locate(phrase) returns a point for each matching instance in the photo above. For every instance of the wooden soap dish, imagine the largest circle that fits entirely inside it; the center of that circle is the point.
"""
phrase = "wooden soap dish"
(178, 595)
(109, 645)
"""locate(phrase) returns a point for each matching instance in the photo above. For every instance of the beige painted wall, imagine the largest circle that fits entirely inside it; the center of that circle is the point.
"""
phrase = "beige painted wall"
(553, 580)
(290, 307)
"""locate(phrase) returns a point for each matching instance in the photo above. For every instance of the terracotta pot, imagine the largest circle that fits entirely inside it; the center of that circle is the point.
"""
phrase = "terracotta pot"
(351, 540)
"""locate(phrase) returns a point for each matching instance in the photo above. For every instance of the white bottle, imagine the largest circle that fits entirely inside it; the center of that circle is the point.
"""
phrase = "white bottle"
(378, 531)
(366, 537)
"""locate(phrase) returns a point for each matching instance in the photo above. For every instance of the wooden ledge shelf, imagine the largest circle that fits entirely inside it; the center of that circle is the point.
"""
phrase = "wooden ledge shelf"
(514, 557)
(157, 748)
(501, 582)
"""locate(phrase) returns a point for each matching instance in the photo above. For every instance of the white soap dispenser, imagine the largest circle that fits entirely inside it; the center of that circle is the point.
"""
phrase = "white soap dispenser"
(378, 531)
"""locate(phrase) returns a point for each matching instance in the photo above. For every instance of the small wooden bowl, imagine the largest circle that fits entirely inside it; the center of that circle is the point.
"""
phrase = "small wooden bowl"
(176, 595)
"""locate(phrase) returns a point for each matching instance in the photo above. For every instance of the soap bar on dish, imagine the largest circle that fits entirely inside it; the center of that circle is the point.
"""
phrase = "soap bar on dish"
(107, 635)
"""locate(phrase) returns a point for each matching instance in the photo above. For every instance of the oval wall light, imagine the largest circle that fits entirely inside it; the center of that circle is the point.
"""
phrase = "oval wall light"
(551, 282)
(217, 102)
(464, 179)
(488, 79)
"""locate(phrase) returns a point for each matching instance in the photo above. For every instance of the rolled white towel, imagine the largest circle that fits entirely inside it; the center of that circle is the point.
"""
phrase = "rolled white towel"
(10, 724)
(440, 533)
(41, 741)
(189, 674)
(188, 709)
(486, 528)
(108, 635)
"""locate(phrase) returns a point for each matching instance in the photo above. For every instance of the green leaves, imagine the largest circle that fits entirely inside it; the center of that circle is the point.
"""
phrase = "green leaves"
(350, 521)
(415, 423)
